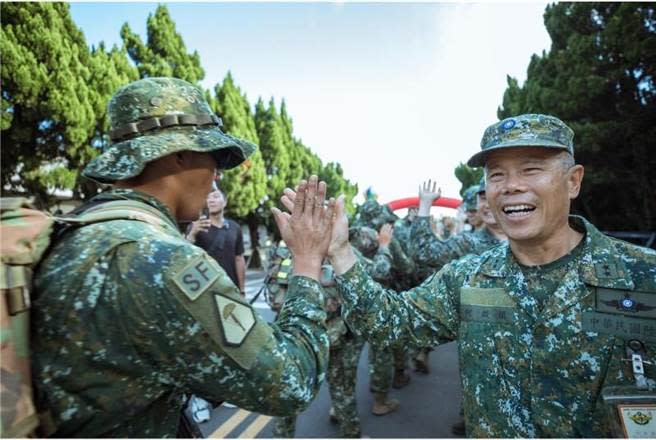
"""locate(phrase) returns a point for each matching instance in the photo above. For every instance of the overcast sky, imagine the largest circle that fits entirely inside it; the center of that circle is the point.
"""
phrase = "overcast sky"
(396, 93)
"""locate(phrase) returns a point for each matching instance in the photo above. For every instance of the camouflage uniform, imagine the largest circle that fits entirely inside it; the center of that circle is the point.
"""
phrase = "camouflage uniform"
(530, 370)
(429, 252)
(129, 316)
(540, 346)
(345, 349)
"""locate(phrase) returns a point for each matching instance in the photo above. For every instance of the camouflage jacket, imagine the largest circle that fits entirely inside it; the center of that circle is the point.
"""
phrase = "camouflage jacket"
(128, 317)
(527, 372)
(428, 251)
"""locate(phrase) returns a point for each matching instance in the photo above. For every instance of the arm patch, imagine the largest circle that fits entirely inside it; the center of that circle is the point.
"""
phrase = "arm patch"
(210, 297)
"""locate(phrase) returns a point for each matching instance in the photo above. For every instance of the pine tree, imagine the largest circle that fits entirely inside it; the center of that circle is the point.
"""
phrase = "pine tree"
(467, 176)
(55, 91)
(598, 77)
(164, 53)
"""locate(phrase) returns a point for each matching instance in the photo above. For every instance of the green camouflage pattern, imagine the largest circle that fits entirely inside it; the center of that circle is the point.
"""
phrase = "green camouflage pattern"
(431, 253)
(157, 97)
(342, 375)
(345, 349)
(527, 372)
(117, 341)
(24, 235)
(469, 201)
(373, 214)
(528, 130)
(481, 185)
(365, 239)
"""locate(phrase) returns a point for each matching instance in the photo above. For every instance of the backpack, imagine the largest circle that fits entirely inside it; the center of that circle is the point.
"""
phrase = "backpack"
(25, 235)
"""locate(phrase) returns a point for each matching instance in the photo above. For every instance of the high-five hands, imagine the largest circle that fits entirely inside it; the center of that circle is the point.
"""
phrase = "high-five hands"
(427, 195)
(307, 230)
(339, 249)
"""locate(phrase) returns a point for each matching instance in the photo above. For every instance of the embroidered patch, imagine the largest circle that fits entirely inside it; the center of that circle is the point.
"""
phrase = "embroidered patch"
(486, 313)
(626, 302)
(196, 277)
(625, 327)
(237, 320)
(493, 297)
(487, 305)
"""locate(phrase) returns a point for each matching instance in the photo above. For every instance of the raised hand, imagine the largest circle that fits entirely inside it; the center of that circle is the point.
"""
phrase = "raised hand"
(385, 235)
(339, 250)
(307, 230)
(428, 193)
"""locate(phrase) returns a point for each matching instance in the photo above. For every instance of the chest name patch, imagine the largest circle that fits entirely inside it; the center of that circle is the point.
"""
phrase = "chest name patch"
(625, 327)
(486, 305)
(196, 277)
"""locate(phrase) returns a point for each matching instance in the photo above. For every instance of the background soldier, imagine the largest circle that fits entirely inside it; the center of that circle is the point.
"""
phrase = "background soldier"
(545, 321)
(128, 315)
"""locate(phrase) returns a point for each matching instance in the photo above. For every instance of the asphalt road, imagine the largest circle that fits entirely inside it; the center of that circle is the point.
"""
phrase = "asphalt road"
(429, 404)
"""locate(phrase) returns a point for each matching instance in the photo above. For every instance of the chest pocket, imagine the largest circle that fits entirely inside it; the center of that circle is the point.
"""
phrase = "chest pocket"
(486, 305)
(622, 313)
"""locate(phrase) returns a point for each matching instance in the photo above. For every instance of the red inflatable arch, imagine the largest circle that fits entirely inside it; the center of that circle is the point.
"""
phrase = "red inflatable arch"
(409, 202)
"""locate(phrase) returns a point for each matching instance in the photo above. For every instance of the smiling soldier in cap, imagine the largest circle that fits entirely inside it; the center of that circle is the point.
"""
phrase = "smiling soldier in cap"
(556, 327)
(129, 316)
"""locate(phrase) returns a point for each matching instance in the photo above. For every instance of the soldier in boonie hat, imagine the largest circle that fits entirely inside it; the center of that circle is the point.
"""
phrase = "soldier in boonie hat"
(481, 186)
(365, 239)
(469, 198)
(154, 117)
(371, 213)
(529, 130)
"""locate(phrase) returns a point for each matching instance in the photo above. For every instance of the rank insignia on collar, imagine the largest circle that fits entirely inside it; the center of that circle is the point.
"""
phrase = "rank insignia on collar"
(606, 270)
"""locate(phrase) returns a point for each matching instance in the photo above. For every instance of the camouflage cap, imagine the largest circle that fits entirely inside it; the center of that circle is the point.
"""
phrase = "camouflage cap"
(154, 117)
(365, 239)
(529, 130)
(469, 198)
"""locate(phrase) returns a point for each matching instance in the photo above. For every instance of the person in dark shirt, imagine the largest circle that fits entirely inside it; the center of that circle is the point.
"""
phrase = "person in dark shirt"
(221, 238)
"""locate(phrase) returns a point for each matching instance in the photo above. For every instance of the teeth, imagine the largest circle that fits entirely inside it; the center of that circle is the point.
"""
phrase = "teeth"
(517, 209)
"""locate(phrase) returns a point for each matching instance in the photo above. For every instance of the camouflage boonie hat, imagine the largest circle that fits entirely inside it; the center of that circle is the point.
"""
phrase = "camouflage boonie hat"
(530, 130)
(365, 239)
(372, 213)
(154, 117)
(469, 198)
(481, 186)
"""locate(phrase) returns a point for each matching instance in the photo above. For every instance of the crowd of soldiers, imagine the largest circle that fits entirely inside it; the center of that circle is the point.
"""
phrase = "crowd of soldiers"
(555, 321)
(398, 257)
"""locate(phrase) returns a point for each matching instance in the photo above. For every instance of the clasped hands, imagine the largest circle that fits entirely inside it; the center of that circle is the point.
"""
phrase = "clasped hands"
(313, 229)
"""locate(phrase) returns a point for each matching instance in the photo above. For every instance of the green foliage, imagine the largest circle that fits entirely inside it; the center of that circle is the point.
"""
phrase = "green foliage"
(599, 78)
(467, 176)
(244, 186)
(164, 53)
(51, 104)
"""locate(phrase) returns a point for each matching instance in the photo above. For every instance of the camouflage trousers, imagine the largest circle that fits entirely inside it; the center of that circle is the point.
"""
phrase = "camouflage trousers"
(342, 375)
(381, 369)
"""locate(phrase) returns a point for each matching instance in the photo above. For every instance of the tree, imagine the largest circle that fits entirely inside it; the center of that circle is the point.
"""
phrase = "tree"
(164, 53)
(245, 186)
(598, 77)
(274, 152)
(468, 176)
(336, 184)
(55, 91)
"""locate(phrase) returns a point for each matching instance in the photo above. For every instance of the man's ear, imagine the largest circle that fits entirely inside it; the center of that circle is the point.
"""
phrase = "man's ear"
(574, 179)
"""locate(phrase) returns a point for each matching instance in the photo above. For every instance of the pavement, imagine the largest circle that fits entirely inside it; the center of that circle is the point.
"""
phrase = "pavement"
(429, 404)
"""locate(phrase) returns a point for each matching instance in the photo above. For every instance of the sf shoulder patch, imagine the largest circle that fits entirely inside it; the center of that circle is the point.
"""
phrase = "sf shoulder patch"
(196, 277)
(236, 319)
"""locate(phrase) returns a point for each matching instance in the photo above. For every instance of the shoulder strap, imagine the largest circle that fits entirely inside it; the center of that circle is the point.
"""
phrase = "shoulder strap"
(120, 209)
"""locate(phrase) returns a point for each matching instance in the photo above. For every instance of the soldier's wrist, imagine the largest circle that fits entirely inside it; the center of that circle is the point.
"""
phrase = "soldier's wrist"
(307, 266)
